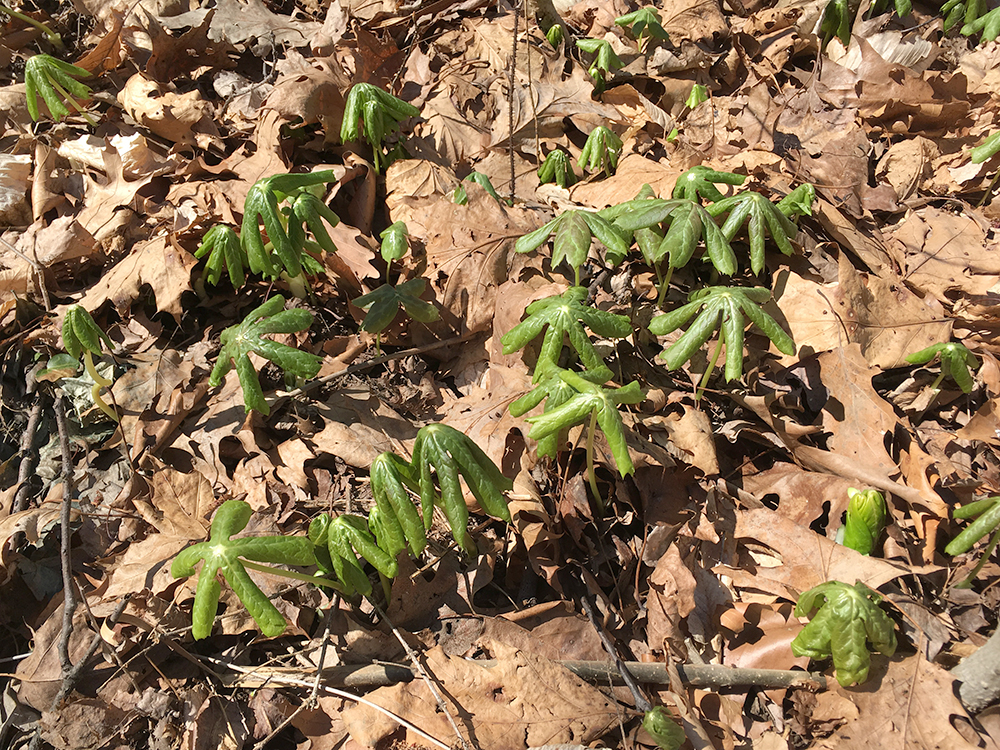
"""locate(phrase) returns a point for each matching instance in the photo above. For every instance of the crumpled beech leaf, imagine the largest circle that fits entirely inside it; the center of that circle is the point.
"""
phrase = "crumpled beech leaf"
(643, 23)
(384, 303)
(556, 168)
(374, 113)
(565, 315)
(847, 618)
(957, 363)
(221, 554)
(865, 520)
(729, 304)
(261, 207)
(689, 223)
(573, 231)
(398, 524)
(555, 391)
(339, 541)
(605, 60)
(394, 244)
(50, 78)
(222, 246)
(661, 726)
(700, 182)
(81, 335)
(987, 515)
(241, 339)
(591, 399)
(601, 151)
(443, 453)
(760, 213)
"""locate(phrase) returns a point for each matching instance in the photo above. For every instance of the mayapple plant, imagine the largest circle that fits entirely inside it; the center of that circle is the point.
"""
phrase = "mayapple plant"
(241, 339)
(843, 620)
(760, 214)
(663, 728)
(700, 182)
(374, 114)
(605, 60)
(957, 363)
(601, 151)
(55, 81)
(461, 197)
(644, 24)
(556, 168)
(864, 521)
(986, 513)
(225, 253)
(81, 335)
(573, 231)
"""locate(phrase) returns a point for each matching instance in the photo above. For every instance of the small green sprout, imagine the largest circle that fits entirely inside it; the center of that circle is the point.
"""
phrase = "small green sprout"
(384, 303)
(222, 554)
(394, 243)
(222, 246)
(374, 114)
(461, 197)
(957, 363)
(573, 231)
(843, 620)
(239, 340)
(601, 151)
(663, 728)
(698, 95)
(700, 182)
(716, 304)
(49, 78)
(987, 515)
(865, 520)
(605, 60)
(556, 168)
(564, 316)
(81, 335)
(644, 24)
(554, 35)
(799, 202)
(339, 541)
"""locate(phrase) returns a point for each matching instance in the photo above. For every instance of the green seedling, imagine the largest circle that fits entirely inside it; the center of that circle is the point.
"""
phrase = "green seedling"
(555, 392)
(759, 213)
(239, 340)
(461, 197)
(554, 35)
(374, 114)
(713, 305)
(445, 454)
(573, 231)
(81, 335)
(398, 524)
(222, 554)
(966, 11)
(837, 21)
(600, 152)
(556, 168)
(663, 728)
(394, 242)
(986, 513)
(689, 222)
(54, 38)
(843, 619)
(700, 182)
(565, 316)
(986, 150)
(384, 303)
(865, 520)
(49, 78)
(957, 363)
(799, 202)
(600, 405)
(605, 60)
(261, 207)
(222, 246)
(339, 541)
(698, 95)
(644, 24)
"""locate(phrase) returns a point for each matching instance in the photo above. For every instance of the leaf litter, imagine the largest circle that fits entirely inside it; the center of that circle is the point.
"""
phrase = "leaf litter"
(737, 496)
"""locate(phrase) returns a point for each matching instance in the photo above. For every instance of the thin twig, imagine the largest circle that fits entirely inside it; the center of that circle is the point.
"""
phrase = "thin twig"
(510, 97)
(65, 550)
(641, 701)
(28, 457)
(442, 706)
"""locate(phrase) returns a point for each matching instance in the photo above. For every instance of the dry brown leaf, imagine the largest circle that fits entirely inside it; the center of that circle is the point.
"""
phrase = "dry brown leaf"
(670, 600)
(180, 118)
(312, 90)
(803, 496)
(103, 199)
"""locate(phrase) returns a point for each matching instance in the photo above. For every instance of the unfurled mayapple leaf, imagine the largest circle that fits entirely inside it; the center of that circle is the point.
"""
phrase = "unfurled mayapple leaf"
(643, 24)
(241, 339)
(591, 400)
(760, 213)
(844, 619)
(573, 232)
(441, 455)
(384, 303)
(565, 315)
(725, 309)
(221, 554)
(225, 253)
(700, 182)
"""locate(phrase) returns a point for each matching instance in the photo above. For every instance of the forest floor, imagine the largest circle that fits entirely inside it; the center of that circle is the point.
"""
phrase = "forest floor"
(736, 493)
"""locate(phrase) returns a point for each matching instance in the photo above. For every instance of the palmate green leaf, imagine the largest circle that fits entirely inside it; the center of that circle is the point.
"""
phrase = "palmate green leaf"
(988, 24)
(441, 456)
(53, 80)
(605, 59)
(644, 22)
(565, 315)
(338, 543)
(760, 213)
(721, 308)
(799, 202)
(591, 398)
(573, 231)
(398, 523)
(384, 303)
(80, 333)
(957, 362)
(601, 151)
(847, 618)
(699, 182)
(556, 168)
(221, 554)
(222, 246)
(239, 340)
(309, 212)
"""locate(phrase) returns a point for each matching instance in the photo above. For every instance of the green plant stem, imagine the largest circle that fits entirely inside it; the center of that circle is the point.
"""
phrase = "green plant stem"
(936, 391)
(967, 581)
(294, 575)
(99, 382)
(708, 372)
(591, 472)
(51, 35)
(664, 285)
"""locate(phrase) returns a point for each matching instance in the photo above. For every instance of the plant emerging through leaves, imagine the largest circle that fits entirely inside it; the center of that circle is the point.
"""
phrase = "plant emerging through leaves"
(374, 114)
(843, 620)
(987, 515)
(644, 24)
(55, 82)
(605, 60)
(601, 151)
(556, 168)
(957, 363)
(81, 335)
(573, 230)
(865, 520)
(239, 340)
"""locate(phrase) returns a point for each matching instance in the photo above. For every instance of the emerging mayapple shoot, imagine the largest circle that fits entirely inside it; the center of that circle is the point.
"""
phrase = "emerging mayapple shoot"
(373, 114)
(55, 81)
(81, 335)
